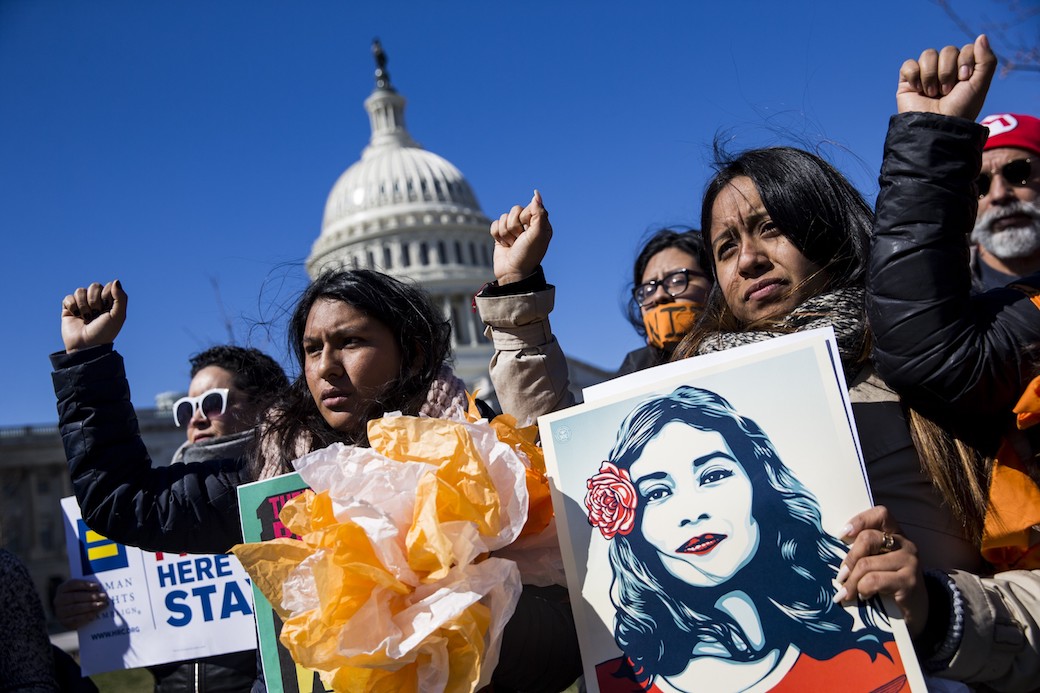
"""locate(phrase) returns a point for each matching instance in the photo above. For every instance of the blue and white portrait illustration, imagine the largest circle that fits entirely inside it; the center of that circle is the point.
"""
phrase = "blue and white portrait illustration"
(722, 571)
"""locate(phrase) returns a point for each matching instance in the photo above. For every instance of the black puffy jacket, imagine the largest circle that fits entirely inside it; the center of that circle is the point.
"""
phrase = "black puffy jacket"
(959, 358)
(190, 507)
(229, 673)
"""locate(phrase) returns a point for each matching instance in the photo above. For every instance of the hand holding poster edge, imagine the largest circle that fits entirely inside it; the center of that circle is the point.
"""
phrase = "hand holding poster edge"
(162, 607)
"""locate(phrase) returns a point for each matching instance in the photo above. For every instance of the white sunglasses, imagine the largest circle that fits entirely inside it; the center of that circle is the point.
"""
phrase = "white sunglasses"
(210, 403)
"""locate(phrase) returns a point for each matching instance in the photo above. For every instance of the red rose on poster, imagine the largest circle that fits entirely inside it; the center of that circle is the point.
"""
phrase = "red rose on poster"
(611, 501)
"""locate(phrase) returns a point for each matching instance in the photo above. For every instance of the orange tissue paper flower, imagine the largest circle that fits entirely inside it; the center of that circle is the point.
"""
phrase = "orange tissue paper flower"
(398, 580)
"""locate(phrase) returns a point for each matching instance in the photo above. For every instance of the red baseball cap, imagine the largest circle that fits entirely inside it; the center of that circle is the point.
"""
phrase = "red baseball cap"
(1013, 130)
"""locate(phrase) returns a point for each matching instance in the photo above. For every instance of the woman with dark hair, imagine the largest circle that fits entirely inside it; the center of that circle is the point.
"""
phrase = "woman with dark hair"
(708, 511)
(365, 343)
(788, 238)
(352, 368)
(670, 283)
(812, 212)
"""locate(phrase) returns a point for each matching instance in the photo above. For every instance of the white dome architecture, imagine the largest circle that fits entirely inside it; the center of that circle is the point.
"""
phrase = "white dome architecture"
(410, 213)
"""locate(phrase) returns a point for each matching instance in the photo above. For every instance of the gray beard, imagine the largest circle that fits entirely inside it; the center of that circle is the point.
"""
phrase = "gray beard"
(1013, 242)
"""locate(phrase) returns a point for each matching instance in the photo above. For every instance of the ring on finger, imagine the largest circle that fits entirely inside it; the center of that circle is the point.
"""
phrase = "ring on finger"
(888, 543)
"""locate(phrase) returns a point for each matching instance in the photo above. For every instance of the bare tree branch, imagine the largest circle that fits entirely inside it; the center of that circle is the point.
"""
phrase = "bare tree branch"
(1015, 55)
(228, 324)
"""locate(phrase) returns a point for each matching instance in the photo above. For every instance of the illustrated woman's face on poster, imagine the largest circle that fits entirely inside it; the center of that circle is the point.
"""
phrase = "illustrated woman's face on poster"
(696, 505)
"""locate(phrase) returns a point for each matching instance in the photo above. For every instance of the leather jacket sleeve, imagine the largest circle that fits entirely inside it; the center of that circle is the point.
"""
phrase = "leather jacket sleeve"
(959, 358)
(181, 508)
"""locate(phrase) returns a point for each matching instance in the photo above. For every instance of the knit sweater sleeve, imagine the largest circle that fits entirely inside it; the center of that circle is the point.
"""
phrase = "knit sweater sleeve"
(26, 663)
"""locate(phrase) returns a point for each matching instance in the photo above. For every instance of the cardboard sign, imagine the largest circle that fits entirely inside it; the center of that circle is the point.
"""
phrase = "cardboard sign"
(163, 607)
(259, 504)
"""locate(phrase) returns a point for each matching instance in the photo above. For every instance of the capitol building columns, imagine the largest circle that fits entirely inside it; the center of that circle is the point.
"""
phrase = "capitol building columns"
(410, 213)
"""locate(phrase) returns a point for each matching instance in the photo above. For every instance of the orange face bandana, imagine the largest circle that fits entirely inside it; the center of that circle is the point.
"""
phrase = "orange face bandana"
(666, 324)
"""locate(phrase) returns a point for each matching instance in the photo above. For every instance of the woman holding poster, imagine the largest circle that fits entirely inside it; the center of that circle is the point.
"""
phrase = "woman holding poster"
(722, 570)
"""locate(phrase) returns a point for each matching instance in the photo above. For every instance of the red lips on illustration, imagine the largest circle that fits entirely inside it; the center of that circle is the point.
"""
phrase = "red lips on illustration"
(702, 544)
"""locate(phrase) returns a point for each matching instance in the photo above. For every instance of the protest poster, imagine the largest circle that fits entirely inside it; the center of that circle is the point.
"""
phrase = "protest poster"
(700, 506)
(163, 607)
(259, 505)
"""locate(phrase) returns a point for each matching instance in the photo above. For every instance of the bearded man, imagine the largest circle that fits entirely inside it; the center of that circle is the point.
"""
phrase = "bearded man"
(1007, 228)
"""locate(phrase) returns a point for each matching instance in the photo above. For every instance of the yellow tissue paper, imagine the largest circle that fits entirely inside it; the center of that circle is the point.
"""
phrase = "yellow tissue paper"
(396, 583)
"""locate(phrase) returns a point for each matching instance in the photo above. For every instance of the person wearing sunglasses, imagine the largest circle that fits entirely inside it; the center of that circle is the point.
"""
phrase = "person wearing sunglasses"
(1007, 229)
(194, 498)
(962, 358)
(230, 388)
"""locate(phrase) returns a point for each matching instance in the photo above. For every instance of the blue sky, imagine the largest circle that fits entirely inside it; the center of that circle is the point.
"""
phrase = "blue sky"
(188, 148)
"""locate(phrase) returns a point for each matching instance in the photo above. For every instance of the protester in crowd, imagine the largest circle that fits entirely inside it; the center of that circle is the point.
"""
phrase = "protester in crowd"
(963, 360)
(26, 660)
(669, 286)
(788, 237)
(190, 507)
(364, 344)
(1007, 230)
(230, 388)
(985, 630)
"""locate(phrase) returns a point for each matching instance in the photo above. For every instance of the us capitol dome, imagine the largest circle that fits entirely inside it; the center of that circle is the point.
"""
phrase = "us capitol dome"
(410, 213)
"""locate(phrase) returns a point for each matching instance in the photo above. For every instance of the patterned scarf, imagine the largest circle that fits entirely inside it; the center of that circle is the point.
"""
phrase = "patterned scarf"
(842, 309)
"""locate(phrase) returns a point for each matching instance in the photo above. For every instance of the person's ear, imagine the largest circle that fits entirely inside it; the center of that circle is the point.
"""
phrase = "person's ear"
(416, 364)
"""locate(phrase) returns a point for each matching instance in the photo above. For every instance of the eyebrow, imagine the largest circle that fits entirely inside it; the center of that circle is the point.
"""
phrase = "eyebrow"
(351, 328)
(756, 215)
(704, 459)
(697, 462)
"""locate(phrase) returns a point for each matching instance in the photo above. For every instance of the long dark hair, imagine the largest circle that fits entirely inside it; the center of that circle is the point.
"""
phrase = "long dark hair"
(660, 619)
(687, 240)
(423, 337)
(811, 203)
(829, 222)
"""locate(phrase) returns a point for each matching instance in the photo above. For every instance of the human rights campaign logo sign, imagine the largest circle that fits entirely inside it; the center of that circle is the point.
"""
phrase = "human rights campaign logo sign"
(98, 554)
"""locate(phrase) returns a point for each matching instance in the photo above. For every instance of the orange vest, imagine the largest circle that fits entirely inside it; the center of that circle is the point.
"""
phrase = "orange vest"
(1009, 538)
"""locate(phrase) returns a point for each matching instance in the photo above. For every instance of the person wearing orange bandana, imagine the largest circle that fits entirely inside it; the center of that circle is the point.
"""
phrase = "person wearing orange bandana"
(669, 287)
(529, 370)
